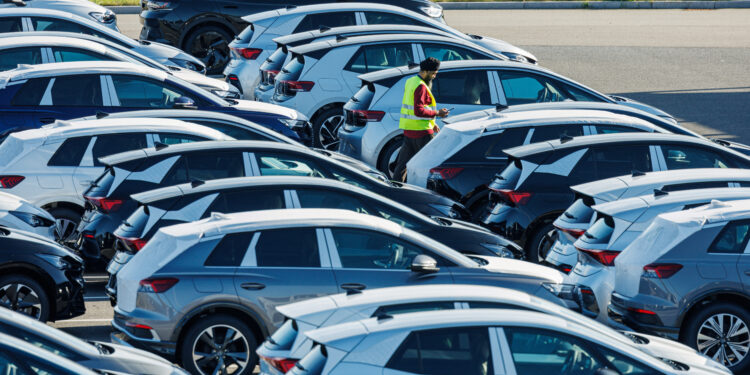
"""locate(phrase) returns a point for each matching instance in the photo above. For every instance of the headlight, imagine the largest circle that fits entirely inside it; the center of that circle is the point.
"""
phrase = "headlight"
(295, 124)
(564, 291)
(227, 94)
(187, 64)
(159, 5)
(107, 17)
(432, 11)
(54, 260)
(499, 250)
(515, 57)
(31, 219)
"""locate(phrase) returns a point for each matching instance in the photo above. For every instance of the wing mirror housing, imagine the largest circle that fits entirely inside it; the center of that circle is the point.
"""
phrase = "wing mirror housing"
(424, 264)
(184, 102)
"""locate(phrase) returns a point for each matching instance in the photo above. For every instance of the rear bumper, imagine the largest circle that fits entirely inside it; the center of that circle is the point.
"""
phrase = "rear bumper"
(622, 310)
(507, 221)
(140, 338)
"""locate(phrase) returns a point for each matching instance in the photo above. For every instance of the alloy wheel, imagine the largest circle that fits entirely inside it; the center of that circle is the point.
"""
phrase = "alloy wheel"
(392, 163)
(212, 49)
(328, 134)
(725, 338)
(21, 298)
(221, 349)
(546, 244)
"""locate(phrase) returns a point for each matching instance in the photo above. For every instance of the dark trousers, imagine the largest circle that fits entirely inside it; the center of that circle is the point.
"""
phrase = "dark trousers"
(409, 148)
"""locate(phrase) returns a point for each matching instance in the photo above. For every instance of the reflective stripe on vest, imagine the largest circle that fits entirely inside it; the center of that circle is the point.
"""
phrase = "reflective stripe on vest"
(408, 120)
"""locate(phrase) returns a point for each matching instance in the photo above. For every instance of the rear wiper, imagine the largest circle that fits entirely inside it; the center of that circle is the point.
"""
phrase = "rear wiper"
(354, 99)
(284, 70)
(125, 223)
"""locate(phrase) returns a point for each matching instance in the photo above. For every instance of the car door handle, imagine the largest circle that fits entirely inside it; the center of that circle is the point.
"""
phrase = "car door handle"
(353, 286)
(47, 120)
(252, 286)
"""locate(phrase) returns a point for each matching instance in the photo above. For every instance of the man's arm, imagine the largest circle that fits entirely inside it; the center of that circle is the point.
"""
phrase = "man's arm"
(422, 99)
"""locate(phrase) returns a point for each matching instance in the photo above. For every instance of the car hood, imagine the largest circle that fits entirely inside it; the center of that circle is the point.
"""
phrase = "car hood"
(131, 360)
(665, 348)
(162, 53)
(201, 80)
(500, 46)
(521, 268)
(250, 105)
(643, 107)
(422, 195)
(9, 202)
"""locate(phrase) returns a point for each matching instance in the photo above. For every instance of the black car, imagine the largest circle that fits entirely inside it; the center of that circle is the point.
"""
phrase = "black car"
(39, 278)
(152, 168)
(534, 189)
(204, 28)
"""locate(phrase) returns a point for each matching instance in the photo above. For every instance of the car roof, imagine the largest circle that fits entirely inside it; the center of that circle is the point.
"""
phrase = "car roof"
(383, 38)
(316, 8)
(24, 39)
(45, 355)
(715, 212)
(449, 65)
(21, 11)
(619, 207)
(78, 68)
(393, 29)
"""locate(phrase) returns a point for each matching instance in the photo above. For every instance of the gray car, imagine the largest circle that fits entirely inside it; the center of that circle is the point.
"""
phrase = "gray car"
(217, 282)
(687, 276)
(84, 8)
(19, 357)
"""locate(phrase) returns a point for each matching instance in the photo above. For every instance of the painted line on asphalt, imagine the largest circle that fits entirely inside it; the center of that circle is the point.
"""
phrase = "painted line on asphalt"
(86, 320)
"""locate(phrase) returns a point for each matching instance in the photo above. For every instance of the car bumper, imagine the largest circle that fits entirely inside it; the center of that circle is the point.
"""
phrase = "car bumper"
(599, 286)
(366, 143)
(443, 188)
(264, 93)
(248, 73)
(507, 221)
(563, 256)
(120, 259)
(69, 296)
(96, 238)
(622, 310)
(139, 334)
(152, 29)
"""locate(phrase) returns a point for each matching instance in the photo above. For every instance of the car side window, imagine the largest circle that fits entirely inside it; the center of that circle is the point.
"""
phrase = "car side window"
(288, 247)
(538, 351)
(462, 87)
(732, 239)
(115, 143)
(330, 19)
(74, 54)
(610, 161)
(31, 92)
(546, 133)
(372, 250)
(141, 92)
(39, 341)
(383, 18)
(283, 165)
(76, 91)
(10, 24)
(491, 145)
(445, 351)
(625, 365)
(55, 24)
(211, 166)
(684, 157)
(610, 129)
(247, 200)
(309, 198)
(230, 250)
(237, 132)
(380, 56)
(524, 88)
(177, 138)
(447, 52)
(10, 58)
(178, 174)
(70, 152)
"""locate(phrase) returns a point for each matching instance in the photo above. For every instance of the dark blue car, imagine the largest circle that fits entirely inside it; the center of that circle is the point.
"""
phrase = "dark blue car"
(31, 96)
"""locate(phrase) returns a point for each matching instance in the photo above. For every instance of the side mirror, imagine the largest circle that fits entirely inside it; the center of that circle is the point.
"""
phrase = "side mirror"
(184, 102)
(606, 371)
(424, 264)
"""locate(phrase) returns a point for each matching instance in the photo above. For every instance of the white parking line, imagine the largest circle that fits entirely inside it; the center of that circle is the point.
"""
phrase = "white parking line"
(86, 320)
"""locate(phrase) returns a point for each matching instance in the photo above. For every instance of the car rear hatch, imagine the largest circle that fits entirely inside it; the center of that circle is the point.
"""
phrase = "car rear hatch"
(287, 83)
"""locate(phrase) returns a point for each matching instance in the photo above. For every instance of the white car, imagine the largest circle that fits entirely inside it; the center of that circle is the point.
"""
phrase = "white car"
(45, 47)
(84, 8)
(578, 217)
(290, 342)
(484, 342)
(18, 213)
(52, 166)
(254, 44)
(21, 19)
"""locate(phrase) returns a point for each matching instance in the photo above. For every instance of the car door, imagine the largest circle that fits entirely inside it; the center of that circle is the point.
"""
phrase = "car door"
(729, 248)
(67, 54)
(680, 156)
(103, 145)
(376, 57)
(133, 92)
(282, 266)
(12, 57)
(463, 91)
(525, 87)
(365, 259)
(70, 96)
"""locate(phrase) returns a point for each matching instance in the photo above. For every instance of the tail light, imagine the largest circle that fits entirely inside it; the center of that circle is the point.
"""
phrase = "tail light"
(290, 88)
(132, 243)
(268, 76)
(157, 285)
(361, 117)
(661, 271)
(605, 257)
(515, 197)
(104, 204)
(573, 232)
(445, 173)
(8, 182)
(248, 53)
(281, 364)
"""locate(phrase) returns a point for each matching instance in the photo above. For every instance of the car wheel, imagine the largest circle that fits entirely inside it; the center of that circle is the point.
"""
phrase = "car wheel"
(721, 331)
(541, 243)
(219, 344)
(210, 44)
(326, 128)
(24, 295)
(67, 222)
(389, 157)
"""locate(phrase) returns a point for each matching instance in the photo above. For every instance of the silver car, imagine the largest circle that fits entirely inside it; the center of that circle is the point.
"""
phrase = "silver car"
(217, 282)
(20, 357)
(84, 8)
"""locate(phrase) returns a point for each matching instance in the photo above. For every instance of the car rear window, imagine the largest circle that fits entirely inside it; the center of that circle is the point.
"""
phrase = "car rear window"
(230, 250)
(600, 232)
(288, 247)
(30, 92)
(328, 19)
(580, 211)
(70, 152)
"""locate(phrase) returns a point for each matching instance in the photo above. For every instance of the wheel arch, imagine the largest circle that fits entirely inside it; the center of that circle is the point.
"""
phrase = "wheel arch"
(204, 21)
(36, 273)
(731, 296)
(64, 204)
(326, 107)
(538, 223)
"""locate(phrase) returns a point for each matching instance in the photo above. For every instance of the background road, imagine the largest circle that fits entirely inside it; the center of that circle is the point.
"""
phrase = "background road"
(694, 64)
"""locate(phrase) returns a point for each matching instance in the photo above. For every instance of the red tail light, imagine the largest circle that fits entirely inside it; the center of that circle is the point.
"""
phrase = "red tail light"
(641, 311)
(8, 182)
(104, 204)
(516, 197)
(446, 173)
(233, 77)
(132, 243)
(296, 86)
(361, 114)
(269, 75)
(605, 257)
(136, 325)
(281, 364)
(573, 232)
(157, 285)
(661, 271)
(248, 53)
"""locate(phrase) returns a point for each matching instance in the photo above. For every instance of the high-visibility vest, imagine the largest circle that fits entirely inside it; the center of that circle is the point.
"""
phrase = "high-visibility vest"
(408, 120)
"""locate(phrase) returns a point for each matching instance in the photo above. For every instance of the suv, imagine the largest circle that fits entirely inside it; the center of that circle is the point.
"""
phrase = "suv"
(534, 189)
(371, 133)
(194, 282)
(193, 25)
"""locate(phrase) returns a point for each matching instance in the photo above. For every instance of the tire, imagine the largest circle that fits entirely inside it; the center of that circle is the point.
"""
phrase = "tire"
(388, 158)
(24, 295)
(67, 222)
(326, 127)
(728, 313)
(244, 343)
(209, 44)
(540, 244)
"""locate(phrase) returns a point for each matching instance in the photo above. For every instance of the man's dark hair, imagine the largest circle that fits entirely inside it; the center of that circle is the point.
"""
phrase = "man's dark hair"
(429, 64)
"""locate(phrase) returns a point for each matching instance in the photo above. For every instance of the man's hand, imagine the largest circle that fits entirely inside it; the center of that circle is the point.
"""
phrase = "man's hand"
(443, 112)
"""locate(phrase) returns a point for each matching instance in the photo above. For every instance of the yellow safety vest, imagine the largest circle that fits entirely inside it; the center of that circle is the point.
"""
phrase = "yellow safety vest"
(408, 120)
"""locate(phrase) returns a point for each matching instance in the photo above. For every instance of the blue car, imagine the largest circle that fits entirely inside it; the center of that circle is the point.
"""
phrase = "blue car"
(31, 96)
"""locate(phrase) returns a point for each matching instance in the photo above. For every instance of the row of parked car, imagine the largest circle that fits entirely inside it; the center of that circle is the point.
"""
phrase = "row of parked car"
(212, 216)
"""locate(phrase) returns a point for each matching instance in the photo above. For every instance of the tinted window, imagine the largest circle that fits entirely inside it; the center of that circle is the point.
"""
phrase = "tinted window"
(611, 161)
(177, 138)
(600, 232)
(31, 92)
(373, 250)
(288, 247)
(524, 88)
(379, 57)
(247, 200)
(70, 54)
(382, 18)
(580, 211)
(732, 239)
(237, 132)
(507, 139)
(54, 24)
(609, 129)
(537, 351)
(406, 308)
(447, 52)
(10, 24)
(273, 165)
(494, 305)
(215, 165)
(625, 365)
(331, 199)
(230, 250)
(116, 143)
(546, 133)
(696, 185)
(178, 174)
(490, 144)
(77, 90)
(10, 58)
(334, 19)
(683, 157)
(70, 152)
(462, 87)
(446, 351)
(139, 92)
(39, 341)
